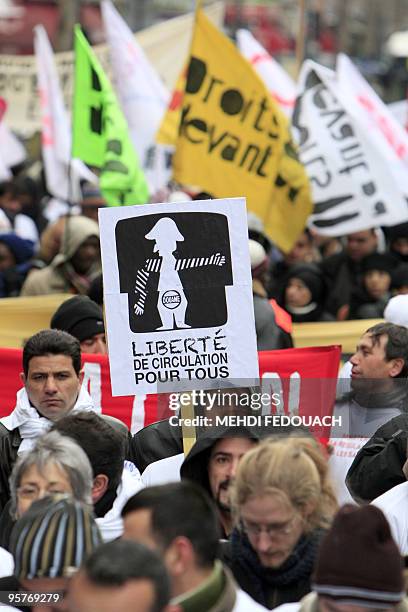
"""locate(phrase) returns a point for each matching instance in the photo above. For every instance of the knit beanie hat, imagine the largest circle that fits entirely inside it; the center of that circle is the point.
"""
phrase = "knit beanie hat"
(311, 275)
(258, 257)
(379, 261)
(80, 317)
(52, 539)
(358, 561)
(396, 310)
(399, 277)
(22, 249)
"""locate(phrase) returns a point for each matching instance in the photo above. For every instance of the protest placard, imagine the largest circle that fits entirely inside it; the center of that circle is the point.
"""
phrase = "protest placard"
(178, 296)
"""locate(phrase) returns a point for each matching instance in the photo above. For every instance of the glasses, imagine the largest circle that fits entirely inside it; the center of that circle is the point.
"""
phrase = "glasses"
(34, 492)
(274, 530)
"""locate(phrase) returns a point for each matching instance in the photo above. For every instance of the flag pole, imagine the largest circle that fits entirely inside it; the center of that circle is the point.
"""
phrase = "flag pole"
(187, 411)
(301, 37)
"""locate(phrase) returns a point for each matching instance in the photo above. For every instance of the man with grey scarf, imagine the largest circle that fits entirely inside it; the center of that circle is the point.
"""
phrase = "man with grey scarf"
(378, 394)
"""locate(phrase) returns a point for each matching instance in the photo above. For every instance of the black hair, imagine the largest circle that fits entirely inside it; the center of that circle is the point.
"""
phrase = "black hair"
(52, 342)
(180, 509)
(104, 446)
(117, 562)
(397, 343)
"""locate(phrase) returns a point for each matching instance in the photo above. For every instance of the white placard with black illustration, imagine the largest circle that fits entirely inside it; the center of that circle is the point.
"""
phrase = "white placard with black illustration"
(178, 296)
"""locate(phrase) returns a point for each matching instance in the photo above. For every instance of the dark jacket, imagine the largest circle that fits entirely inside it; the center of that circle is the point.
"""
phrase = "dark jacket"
(9, 444)
(343, 278)
(155, 442)
(377, 466)
(12, 585)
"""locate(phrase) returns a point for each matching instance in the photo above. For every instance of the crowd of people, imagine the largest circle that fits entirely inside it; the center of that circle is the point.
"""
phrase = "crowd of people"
(94, 518)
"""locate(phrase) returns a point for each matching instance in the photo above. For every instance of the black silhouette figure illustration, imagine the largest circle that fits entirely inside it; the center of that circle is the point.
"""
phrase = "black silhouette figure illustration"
(172, 302)
(174, 268)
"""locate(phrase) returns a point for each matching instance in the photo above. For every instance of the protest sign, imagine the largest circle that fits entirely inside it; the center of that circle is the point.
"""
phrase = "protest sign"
(281, 86)
(233, 139)
(100, 132)
(178, 296)
(353, 189)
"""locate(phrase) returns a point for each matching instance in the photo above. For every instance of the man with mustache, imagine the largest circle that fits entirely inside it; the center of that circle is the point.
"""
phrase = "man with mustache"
(212, 463)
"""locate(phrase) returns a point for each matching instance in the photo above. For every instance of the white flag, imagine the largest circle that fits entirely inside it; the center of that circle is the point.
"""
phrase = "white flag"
(399, 111)
(142, 95)
(352, 185)
(12, 151)
(56, 133)
(367, 108)
(281, 86)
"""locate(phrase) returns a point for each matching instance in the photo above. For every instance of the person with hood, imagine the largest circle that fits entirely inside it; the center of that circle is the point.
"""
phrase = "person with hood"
(280, 513)
(52, 381)
(377, 270)
(398, 240)
(358, 567)
(212, 463)
(15, 263)
(303, 294)
(75, 266)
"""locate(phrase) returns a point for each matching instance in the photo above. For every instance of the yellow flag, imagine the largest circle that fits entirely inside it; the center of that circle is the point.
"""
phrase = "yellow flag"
(233, 140)
(167, 134)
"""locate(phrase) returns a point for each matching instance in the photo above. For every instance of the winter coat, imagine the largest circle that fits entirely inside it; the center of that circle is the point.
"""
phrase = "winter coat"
(343, 278)
(59, 276)
(377, 467)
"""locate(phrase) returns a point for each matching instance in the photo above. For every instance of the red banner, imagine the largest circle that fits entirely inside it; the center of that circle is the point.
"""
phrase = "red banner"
(306, 378)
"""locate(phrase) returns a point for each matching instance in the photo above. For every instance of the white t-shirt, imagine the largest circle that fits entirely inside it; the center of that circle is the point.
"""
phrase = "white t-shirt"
(394, 504)
(6, 563)
(163, 471)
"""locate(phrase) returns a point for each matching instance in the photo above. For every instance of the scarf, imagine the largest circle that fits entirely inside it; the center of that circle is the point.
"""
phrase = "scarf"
(31, 424)
(369, 395)
(297, 567)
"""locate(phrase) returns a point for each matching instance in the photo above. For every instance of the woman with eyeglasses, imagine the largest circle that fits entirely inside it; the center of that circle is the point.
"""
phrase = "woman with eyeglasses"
(282, 503)
(57, 464)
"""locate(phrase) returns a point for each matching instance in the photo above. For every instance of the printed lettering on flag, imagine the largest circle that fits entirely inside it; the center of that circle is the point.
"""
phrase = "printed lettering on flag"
(353, 188)
(233, 139)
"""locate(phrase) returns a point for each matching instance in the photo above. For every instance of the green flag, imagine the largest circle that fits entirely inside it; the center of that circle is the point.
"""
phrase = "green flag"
(100, 132)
